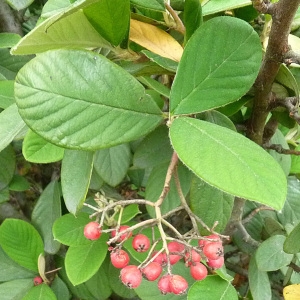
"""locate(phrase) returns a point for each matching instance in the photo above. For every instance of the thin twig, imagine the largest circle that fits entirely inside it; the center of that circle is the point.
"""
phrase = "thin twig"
(279, 149)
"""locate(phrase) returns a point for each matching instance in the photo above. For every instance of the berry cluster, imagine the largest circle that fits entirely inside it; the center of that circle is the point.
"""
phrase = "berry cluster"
(209, 252)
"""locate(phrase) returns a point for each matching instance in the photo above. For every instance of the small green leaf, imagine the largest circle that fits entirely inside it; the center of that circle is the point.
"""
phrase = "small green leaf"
(215, 6)
(228, 161)
(11, 124)
(68, 229)
(76, 107)
(270, 255)
(76, 172)
(45, 212)
(150, 4)
(164, 62)
(129, 212)
(40, 292)
(19, 183)
(210, 204)
(222, 289)
(19, 4)
(54, 7)
(146, 154)
(15, 289)
(60, 289)
(7, 40)
(295, 167)
(8, 165)
(10, 270)
(83, 261)
(292, 242)
(192, 15)
(6, 93)
(110, 18)
(37, 150)
(218, 118)
(155, 85)
(155, 185)
(21, 242)
(112, 163)
(220, 71)
(259, 282)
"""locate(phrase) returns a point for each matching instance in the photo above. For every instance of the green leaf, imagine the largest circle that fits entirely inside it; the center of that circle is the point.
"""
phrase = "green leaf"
(155, 85)
(6, 93)
(37, 150)
(210, 204)
(76, 172)
(218, 118)
(40, 292)
(150, 4)
(222, 289)
(25, 246)
(110, 18)
(53, 7)
(19, 183)
(290, 214)
(259, 282)
(295, 167)
(68, 229)
(192, 15)
(112, 163)
(129, 212)
(83, 261)
(68, 29)
(15, 289)
(155, 185)
(283, 160)
(270, 255)
(228, 161)
(220, 71)
(164, 62)
(215, 6)
(292, 242)
(60, 289)
(7, 40)
(76, 107)
(157, 142)
(10, 270)
(10, 65)
(19, 4)
(11, 124)
(45, 212)
(8, 165)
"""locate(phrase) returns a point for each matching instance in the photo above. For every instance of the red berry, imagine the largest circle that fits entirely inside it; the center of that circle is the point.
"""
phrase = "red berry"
(161, 258)
(216, 263)
(178, 285)
(119, 259)
(92, 231)
(175, 247)
(213, 250)
(202, 243)
(131, 276)
(196, 257)
(123, 236)
(164, 284)
(198, 271)
(152, 271)
(140, 243)
(37, 280)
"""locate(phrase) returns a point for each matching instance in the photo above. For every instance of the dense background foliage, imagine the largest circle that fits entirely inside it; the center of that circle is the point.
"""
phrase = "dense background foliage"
(177, 118)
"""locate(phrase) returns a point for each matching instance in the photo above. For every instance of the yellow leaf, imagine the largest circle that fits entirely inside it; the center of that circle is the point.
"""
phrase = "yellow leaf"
(292, 292)
(155, 40)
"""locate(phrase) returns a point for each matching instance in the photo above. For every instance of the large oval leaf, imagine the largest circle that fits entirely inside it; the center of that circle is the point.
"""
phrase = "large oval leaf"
(229, 161)
(83, 100)
(219, 64)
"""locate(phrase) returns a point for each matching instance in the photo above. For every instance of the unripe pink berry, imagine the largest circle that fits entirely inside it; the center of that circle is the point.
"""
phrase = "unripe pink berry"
(178, 285)
(175, 247)
(131, 276)
(123, 236)
(152, 271)
(198, 271)
(119, 258)
(164, 284)
(216, 263)
(92, 231)
(141, 243)
(37, 280)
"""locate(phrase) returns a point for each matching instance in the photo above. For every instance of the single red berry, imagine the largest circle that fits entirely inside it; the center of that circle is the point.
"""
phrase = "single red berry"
(37, 280)
(161, 258)
(152, 271)
(175, 247)
(141, 243)
(178, 285)
(131, 276)
(216, 263)
(92, 231)
(213, 250)
(198, 271)
(123, 236)
(196, 257)
(164, 284)
(202, 243)
(119, 258)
